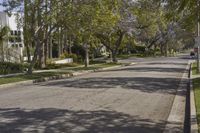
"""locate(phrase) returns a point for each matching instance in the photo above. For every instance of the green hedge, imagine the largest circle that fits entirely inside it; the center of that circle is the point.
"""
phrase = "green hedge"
(9, 68)
(73, 56)
(140, 49)
(58, 66)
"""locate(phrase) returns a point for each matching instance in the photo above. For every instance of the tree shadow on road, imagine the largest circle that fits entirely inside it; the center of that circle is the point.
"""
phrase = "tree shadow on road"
(157, 84)
(153, 69)
(51, 120)
(168, 63)
(144, 84)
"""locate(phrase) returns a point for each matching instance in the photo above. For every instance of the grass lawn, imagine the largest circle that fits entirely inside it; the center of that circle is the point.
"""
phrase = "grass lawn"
(60, 66)
(196, 86)
(35, 76)
(94, 67)
(25, 77)
(126, 56)
(194, 68)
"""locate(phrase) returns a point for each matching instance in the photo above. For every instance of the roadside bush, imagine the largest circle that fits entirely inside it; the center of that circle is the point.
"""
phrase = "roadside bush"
(9, 68)
(97, 62)
(58, 66)
(37, 65)
(73, 56)
(150, 52)
(140, 49)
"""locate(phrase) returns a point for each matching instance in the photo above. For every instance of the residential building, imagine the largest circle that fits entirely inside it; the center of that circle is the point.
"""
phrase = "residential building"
(12, 46)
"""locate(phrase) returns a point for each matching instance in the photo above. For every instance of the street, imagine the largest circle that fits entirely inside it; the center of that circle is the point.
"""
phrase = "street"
(131, 99)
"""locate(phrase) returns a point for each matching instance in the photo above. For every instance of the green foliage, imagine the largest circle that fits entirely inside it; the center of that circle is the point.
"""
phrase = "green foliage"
(9, 68)
(150, 52)
(73, 56)
(4, 32)
(25, 77)
(112, 23)
(183, 11)
(196, 86)
(3, 36)
(59, 66)
(97, 62)
(140, 49)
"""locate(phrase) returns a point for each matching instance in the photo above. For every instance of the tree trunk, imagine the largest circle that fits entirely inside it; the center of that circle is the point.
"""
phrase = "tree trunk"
(50, 47)
(37, 40)
(65, 42)
(36, 52)
(86, 56)
(46, 36)
(59, 42)
(46, 50)
(28, 53)
(70, 43)
(166, 49)
(117, 45)
(43, 64)
(42, 52)
(2, 52)
(26, 40)
(111, 56)
(161, 49)
(114, 56)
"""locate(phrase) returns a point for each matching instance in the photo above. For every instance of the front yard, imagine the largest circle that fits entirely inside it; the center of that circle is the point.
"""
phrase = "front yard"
(55, 72)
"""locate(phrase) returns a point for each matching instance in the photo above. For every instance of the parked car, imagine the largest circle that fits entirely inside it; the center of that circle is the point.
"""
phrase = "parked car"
(192, 54)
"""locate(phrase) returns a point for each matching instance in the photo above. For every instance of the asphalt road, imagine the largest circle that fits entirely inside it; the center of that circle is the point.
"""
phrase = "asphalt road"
(132, 99)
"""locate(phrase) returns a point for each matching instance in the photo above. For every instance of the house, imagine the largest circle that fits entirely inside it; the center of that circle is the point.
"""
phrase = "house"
(13, 46)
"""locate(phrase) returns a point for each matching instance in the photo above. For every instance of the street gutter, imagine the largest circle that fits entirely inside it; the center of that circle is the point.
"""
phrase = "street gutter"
(175, 121)
(63, 76)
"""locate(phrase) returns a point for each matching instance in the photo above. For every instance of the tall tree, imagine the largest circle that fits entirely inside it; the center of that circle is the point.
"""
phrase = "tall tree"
(4, 33)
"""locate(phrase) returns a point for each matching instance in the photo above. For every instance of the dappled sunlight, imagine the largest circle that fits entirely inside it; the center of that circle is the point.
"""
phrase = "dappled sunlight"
(16, 120)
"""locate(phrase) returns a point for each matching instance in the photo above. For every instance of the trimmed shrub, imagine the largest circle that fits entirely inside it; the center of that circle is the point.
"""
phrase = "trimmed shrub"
(58, 66)
(73, 56)
(140, 49)
(97, 62)
(9, 68)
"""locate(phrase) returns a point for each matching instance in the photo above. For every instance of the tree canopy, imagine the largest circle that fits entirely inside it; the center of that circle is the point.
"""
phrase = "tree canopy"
(115, 24)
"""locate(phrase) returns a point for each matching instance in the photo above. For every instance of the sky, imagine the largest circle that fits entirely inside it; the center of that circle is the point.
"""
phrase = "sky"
(1, 8)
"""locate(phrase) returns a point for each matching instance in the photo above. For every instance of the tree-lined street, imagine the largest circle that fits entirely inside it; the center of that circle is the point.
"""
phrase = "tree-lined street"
(99, 66)
(132, 99)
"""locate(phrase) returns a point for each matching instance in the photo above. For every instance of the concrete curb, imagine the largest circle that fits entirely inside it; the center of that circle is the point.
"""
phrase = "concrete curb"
(63, 76)
(16, 83)
(175, 121)
(193, 115)
(10, 75)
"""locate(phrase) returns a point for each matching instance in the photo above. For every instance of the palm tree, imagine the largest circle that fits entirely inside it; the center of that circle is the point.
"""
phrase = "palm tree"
(4, 30)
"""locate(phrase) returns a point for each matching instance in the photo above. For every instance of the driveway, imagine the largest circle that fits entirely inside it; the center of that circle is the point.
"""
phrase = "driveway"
(132, 99)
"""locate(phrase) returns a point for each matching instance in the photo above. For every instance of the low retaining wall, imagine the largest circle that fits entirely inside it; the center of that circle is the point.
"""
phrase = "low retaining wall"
(64, 61)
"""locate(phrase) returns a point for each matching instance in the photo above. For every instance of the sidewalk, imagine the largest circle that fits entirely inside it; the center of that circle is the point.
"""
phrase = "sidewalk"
(41, 71)
(63, 74)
